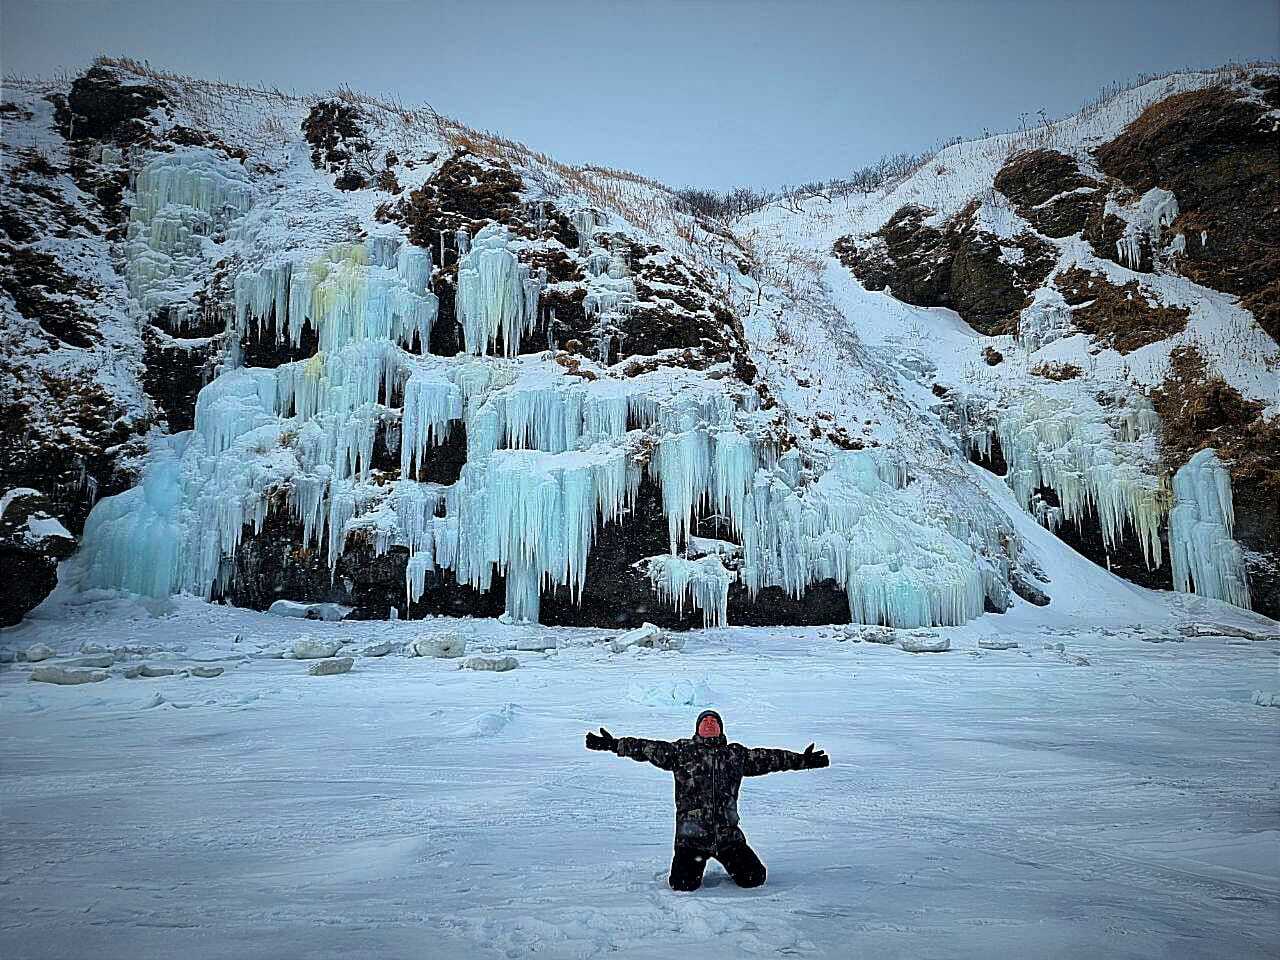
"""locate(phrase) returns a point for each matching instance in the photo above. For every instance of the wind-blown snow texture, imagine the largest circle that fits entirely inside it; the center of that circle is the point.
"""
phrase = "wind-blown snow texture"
(980, 801)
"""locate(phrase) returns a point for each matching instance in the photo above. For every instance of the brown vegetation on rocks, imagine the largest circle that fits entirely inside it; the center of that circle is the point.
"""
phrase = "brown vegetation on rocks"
(1216, 150)
(1049, 191)
(1117, 316)
(1056, 371)
(1199, 409)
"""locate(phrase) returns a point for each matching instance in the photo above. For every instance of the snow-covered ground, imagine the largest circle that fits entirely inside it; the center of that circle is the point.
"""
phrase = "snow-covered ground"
(980, 802)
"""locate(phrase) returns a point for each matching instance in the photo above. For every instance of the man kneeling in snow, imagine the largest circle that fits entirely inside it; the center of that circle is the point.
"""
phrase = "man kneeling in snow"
(708, 772)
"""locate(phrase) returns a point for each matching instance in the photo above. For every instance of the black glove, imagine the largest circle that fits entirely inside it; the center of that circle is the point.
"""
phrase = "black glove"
(813, 759)
(603, 740)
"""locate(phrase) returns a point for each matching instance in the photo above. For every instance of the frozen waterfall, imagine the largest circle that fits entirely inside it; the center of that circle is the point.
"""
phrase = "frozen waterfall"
(1206, 559)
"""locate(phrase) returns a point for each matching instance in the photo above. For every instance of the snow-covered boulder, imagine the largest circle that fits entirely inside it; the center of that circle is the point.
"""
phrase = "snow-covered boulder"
(205, 672)
(379, 649)
(331, 612)
(537, 644)
(440, 645)
(315, 648)
(645, 636)
(65, 677)
(878, 635)
(98, 660)
(924, 643)
(493, 664)
(328, 668)
(996, 643)
(147, 671)
(39, 651)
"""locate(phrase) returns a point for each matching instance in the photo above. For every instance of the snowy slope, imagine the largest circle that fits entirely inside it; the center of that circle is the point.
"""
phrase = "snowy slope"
(1068, 411)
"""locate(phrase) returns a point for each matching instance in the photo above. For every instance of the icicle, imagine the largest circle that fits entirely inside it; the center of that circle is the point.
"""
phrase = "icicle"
(1206, 560)
(704, 584)
(496, 294)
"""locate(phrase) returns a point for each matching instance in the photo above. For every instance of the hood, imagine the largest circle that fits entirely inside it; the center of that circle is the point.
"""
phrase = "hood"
(698, 723)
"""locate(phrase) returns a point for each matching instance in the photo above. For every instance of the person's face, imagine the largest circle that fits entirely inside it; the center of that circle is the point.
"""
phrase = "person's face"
(708, 727)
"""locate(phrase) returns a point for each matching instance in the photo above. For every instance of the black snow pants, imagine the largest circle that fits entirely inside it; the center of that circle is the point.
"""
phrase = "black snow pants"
(738, 859)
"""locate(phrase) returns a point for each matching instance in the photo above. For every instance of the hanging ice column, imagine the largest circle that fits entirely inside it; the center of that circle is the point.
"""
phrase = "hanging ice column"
(354, 291)
(1206, 560)
(496, 294)
(1094, 459)
(703, 583)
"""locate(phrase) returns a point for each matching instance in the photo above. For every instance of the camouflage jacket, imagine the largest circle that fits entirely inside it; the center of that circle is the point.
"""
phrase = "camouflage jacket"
(708, 773)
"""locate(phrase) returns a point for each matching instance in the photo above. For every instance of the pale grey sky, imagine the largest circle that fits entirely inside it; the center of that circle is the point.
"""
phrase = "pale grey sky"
(703, 92)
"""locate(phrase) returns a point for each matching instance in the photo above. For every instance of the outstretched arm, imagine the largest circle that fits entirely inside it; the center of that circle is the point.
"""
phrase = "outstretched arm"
(660, 753)
(762, 760)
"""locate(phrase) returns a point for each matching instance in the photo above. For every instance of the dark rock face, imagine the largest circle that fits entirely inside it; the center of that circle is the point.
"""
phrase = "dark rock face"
(1257, 529)
(616, 594)
(958, 265)
(1216, 152)
(463, 193)
(1049, 191)
(29, 555)
(907, 256)
(75, 460)
(1124, 559)
(101, 106)
(825, 602)
(175, 371)
(44, 292)
(1104, 231)
(994, 461)
(260, 345)
(1026, 588)
(1118, 316)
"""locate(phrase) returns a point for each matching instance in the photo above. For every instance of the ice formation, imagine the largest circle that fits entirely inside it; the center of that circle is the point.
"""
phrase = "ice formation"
(1155, 210)
(1095, 460)
(358, 291)
(550, 457)
(185, 202)
(703, 583)
(497, 295)
(1206, 559)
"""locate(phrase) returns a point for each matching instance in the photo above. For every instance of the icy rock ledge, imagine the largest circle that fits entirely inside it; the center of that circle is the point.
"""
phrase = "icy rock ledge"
(99, 661)
(924, 643)
(329, 612)
(647, 636)
(996, 643)
(329, 668)
(64, 677)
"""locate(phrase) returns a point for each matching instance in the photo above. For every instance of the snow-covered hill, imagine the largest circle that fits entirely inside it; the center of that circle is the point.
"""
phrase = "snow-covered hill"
(335, 349)
(1092, 304)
